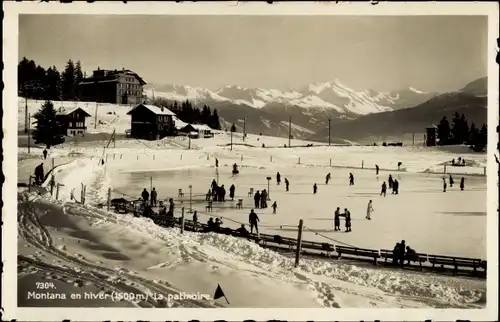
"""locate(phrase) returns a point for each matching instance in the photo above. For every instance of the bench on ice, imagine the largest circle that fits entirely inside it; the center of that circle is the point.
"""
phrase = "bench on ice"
(357, 252)
(389, 254)
(457, 263)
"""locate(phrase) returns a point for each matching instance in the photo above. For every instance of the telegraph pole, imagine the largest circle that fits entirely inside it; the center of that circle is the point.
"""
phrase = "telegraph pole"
(28, 131)
(290, 132)
(26, 113)
(329, 128)
(244, 128)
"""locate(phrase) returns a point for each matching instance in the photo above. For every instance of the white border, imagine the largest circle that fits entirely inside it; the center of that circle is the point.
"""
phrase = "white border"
(10, 46)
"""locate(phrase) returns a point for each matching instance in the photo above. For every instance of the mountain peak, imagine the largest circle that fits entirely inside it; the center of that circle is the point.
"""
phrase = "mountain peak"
(413, 89)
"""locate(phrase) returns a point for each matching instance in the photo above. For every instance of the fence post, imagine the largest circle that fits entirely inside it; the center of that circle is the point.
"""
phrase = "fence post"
(484, 170)
(299, 161)
(241, 158)
(182, 221)
(57, 191)
(109, 199)
(153, 157)
(181, 156)
(299, 243)
(137, 157)
(270, 158)
(330, 162)
(362, 164)
(444, 168)
(113, 156)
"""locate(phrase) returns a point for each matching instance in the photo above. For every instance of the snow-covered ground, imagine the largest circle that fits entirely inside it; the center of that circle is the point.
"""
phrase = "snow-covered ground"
(82, 248)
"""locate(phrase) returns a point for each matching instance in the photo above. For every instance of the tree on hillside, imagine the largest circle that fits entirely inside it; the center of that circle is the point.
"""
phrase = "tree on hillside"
(215, 121)
(444, 131)
(473, 134)
(460, 129)
(47, 129)
(68, 82)
(206, 115)
(78, 76)
(483, 136)
(53, 80)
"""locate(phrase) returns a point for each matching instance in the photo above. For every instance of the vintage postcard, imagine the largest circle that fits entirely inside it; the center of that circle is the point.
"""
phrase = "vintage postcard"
(235, 161)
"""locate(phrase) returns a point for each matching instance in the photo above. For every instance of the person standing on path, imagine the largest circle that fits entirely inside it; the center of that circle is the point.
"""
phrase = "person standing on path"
(153, 197)
(278, 178)
(45, 154)
(253, 220)
(369, 210)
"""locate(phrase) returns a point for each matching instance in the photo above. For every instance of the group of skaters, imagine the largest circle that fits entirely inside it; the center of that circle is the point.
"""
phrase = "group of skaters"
(402, 252)
(278, 181)
(460, 162)
(450, 178)
(218, 193)
(336, 220)
(393, 184)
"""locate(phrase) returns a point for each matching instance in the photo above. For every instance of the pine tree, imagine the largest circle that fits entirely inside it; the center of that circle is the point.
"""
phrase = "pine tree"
(53, 80)
(78, 76)
(206, 115)
(473, 134)
(456, 129)
(47, 129)
(215, 121)
(464, 126)
(68, 82)
(444, 132)
(483, 136)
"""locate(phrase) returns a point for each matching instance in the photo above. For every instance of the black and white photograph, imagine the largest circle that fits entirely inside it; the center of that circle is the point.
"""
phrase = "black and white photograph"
(245, 159)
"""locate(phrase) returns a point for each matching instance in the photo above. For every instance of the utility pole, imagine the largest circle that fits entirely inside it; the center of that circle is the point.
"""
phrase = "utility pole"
(329, 127)
(290, 132)
(95, 118)
(29, 134)
(26, 113)
(244, 128)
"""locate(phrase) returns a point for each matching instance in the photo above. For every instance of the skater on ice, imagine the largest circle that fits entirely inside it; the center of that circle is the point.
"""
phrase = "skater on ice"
(45, 154)
(462, 184)
(278, 178)
(171, 206)
(347, 215)
(451, 181)
(195, 217)
(336, 220)
(253, 219)
(369, 210)
(376, 169)
(222, 194)
(328, 178)
(384, 189)
(315, 188)
(216, 162)
(235, 169)
(351, 179)
(395, 187)
(256, 199)
(399, 165)
(275, 206)
(231, 191)
(444, 184)
(390, 181)
(263, 199)
(287, 184)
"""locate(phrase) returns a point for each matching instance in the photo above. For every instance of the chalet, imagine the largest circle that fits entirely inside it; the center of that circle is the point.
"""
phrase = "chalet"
(431, 136)
(72, 121)
(197, 130)
(151, 122)
(112, 86)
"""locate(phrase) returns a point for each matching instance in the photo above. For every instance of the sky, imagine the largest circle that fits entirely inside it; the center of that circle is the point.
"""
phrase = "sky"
(429, 53)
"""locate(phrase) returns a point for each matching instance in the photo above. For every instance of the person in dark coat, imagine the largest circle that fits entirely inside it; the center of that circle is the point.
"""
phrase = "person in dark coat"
(162, 211)
(336, 220)
(253, 219)
(315, 188)
(214, 184)
(39, 174)
(287, 184)
(351, 179)
(195, 217)
(216, 162)
(462, 184)
(232, 189)
(390, 181)
(171, 206)
(256, 199)
(411, 255)
(395, 253)
(328, 178)
(218, 224)
(278, 178)
(376, 169)
(222, 193)
(263, 199)
(145, 195)
(242, 230)
(211, 224)
(384, 189)
(444, 185)
(401, 253)
(451, 181)
(45, 154)
(275, 206)
(153, 197)
(395, 187)
(347, 215)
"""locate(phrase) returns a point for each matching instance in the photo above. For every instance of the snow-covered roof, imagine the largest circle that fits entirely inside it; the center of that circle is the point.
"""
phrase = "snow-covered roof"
(67, 111)
(155, 109)
(178, 124)
(201, 127)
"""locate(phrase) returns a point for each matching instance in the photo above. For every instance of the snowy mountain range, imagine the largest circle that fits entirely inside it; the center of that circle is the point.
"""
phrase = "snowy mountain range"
(331, 96)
